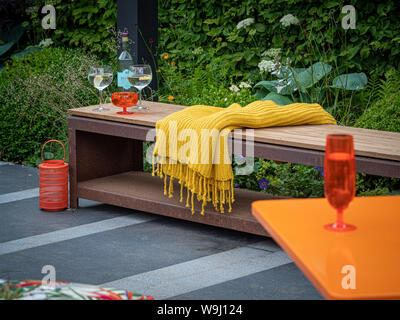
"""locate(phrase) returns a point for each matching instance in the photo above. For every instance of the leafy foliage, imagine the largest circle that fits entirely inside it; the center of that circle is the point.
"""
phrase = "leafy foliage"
(369, 185)
(300, 181)
(11, 13)
(192, 32)
(351, 81)
(10, 38)
(11, 26)
(384, 114)
(35, 93)
(306, 85)
(206, 85)
(81, 24)
(284, 179)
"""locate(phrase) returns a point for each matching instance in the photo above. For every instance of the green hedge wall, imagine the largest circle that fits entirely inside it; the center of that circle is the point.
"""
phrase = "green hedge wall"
(83, 24)
(188, 25)
(196, 31)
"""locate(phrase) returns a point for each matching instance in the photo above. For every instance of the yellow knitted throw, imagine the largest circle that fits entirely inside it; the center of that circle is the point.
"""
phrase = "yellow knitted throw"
(191, 145)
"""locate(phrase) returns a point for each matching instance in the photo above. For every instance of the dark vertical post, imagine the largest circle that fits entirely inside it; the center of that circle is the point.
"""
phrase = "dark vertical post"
(73, 181)
(140, 18)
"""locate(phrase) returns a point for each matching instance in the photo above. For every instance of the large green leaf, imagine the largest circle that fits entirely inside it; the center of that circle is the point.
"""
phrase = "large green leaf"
(11, 37)
(276, 86)
(352, 52)
(248, 54)
(260, 27)
(310, 76)
(260, 93)
(299, 70)
(331, 4)
(351, 81)
(277, 98)
(26, 51)
(282, 73)
(5, 47)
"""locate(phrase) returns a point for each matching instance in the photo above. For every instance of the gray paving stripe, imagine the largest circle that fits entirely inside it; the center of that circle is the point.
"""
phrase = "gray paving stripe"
(19, 195)
(267, 245)
(200, 273)
(71, 233)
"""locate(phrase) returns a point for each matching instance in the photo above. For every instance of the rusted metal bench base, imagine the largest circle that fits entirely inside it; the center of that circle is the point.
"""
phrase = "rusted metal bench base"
(141, 191)
(106, 164)
(109, 168)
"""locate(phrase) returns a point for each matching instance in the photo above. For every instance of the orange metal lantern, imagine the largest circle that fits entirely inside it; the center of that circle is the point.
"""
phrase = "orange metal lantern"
(53, 183)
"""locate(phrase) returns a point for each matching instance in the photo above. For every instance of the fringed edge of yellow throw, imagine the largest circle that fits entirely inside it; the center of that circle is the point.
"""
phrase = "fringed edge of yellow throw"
(219, 193)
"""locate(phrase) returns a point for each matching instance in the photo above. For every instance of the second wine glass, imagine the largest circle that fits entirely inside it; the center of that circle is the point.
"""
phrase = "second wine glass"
(140, 77)
(100, 77)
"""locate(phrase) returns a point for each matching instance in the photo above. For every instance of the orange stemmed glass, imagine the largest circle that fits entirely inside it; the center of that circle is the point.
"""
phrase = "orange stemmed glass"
(340, 177)
(124, 100)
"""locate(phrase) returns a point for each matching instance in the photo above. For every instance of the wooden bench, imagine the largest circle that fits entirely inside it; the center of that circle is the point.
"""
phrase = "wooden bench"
(106, 161)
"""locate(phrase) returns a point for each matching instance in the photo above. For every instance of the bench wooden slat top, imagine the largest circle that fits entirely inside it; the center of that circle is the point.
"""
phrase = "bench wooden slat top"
(368, 143)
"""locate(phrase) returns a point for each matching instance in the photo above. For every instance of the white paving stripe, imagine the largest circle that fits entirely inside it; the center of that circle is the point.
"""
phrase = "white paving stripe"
(71, 233)
(200, 273)
(19, 195)
(2, 163)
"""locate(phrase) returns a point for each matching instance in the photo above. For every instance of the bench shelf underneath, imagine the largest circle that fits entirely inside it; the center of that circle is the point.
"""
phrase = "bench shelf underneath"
(141, 191)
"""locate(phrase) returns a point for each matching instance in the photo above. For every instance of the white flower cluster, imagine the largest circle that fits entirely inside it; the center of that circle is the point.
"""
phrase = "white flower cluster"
(289, 19)
(266, 66)
(284, 83)
(234, 88)
(198, 50)
(46, 42)
(244, 85)
(245, 23)
(272, 53)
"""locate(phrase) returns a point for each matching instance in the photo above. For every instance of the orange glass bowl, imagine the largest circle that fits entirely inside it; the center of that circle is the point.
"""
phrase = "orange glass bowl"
(124, 100)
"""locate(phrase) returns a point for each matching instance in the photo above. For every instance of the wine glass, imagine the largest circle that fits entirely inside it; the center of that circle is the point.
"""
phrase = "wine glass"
(340, 177)
(100, 77)
(140, 77)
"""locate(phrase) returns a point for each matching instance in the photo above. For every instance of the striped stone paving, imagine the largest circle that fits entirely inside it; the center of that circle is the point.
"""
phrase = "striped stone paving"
(159, 256)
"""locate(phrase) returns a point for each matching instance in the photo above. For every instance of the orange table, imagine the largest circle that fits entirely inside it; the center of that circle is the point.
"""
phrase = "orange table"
(367, 258)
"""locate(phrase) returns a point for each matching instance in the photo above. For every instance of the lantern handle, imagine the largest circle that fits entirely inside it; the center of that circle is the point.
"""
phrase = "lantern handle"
(52, 141)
